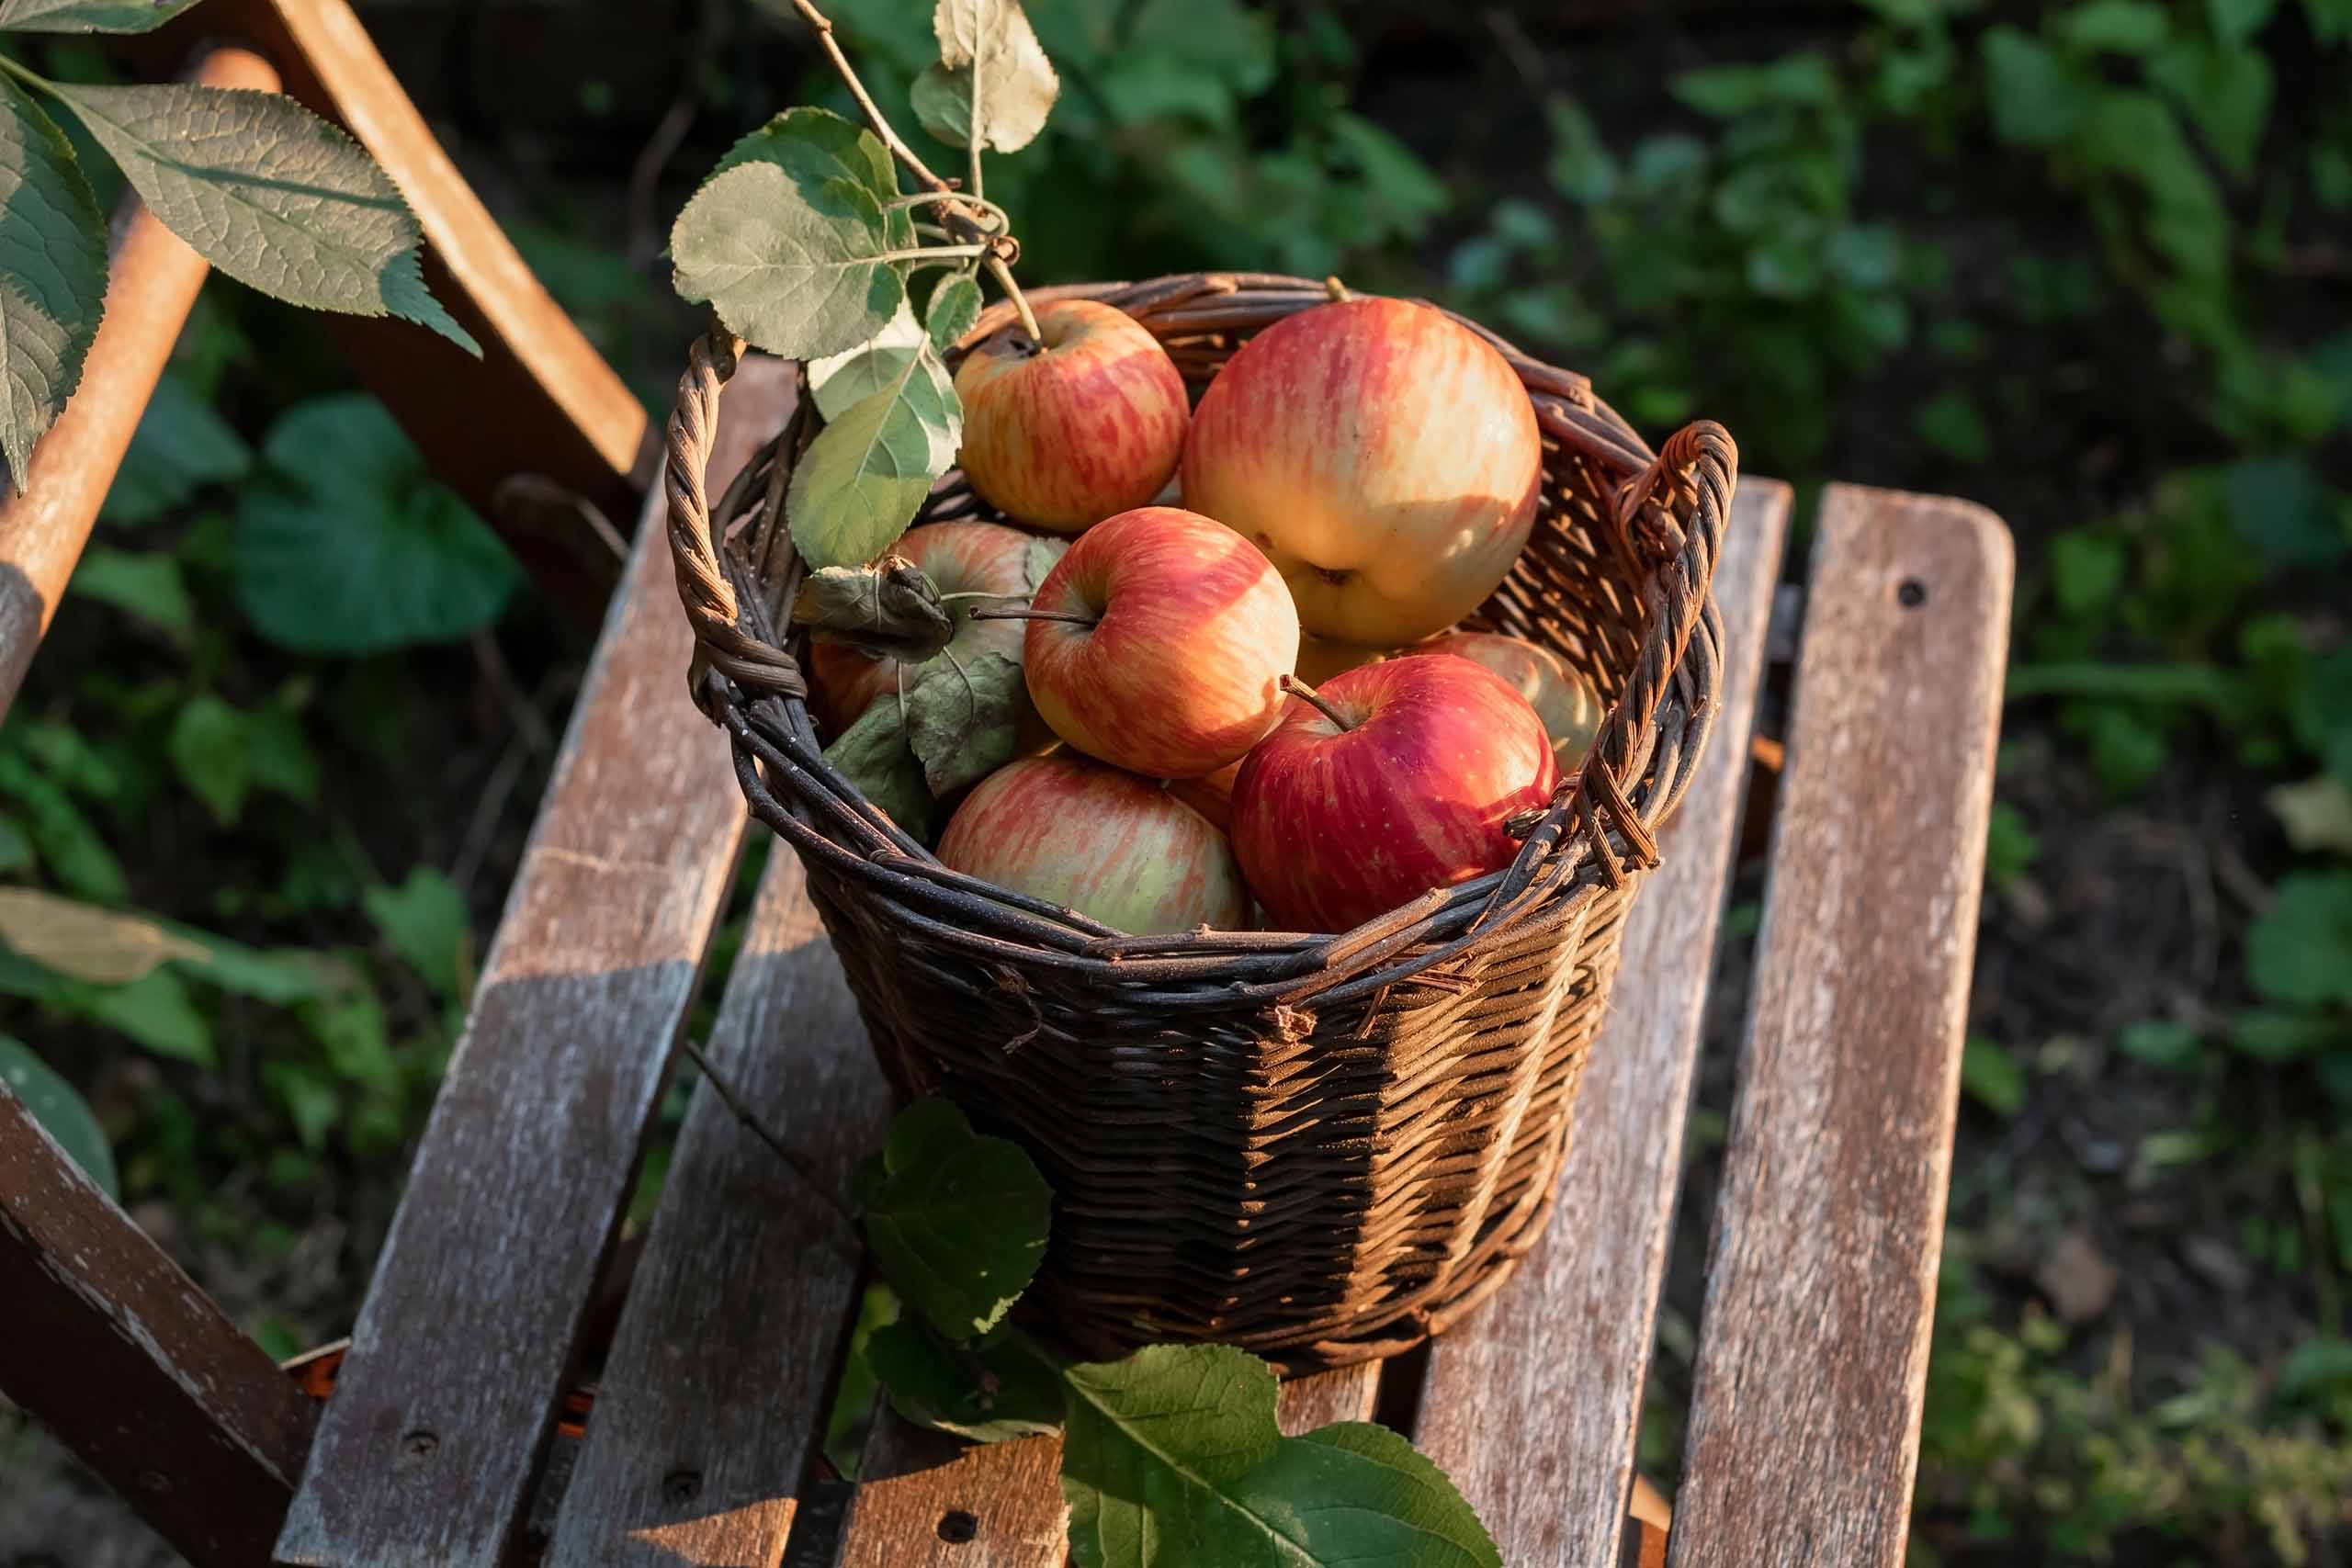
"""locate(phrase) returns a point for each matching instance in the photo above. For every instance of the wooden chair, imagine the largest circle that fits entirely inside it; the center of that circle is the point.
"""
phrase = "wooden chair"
(453, 1436)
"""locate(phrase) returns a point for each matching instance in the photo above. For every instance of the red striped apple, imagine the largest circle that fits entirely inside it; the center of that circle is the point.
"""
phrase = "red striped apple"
(1563, 700)
(1393, 779)
(1064, 432)
(1158, 644)
(991, 563)
(1382, 456)
(1103, 842)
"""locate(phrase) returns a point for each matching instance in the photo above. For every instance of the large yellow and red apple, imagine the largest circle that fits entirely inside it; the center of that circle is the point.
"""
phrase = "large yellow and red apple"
(1395, 778)
(1158, 644)
(1563, 700)
(1103, 842)
(974, 566)
(1062, 432)
(1384, 456)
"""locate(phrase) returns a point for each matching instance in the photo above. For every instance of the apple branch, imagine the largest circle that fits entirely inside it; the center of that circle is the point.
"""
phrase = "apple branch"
(1315, 700)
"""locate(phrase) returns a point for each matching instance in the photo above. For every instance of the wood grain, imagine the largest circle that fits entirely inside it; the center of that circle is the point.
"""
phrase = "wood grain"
(541, 400)
(716, 1386)
(152, 281)
(115, 1350)
(1531, 1404)
(1812, 1347)
(445, 1400)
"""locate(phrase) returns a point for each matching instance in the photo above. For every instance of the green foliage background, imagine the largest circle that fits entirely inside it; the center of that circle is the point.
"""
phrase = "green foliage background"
(2085, 262)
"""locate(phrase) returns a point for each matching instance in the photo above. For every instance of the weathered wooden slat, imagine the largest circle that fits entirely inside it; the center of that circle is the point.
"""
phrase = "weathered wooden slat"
(445, 1400)
(1531, 1404)
(715, 1388)
(925, 1504)
(1813, 1347)
(115, 1351)
(152, 282)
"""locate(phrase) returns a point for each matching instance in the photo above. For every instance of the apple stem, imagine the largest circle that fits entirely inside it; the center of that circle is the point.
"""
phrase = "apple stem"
(978, 593)
(1315, 699)
(1075, 620)
(1002, 273)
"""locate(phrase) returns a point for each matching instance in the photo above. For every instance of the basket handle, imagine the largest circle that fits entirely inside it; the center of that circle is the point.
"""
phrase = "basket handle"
(1702, 461)
(723, 640)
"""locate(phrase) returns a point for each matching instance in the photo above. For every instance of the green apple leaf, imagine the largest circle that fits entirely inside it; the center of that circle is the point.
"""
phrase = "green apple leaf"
(52, 275)
(802, 273)
(955, 1219)
(841, 381)
(813, 146)
(180, 446)
(954, 306)
(270, 194)
(1171, 1458)
(88, 16)
(891, 610)
(865, 475)
(964, 723)
(988, 51)
(61, 1112)
(347, 545)
(872, 755)
(990, 1394)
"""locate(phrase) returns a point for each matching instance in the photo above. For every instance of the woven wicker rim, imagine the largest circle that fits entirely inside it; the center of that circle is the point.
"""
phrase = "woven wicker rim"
(1602, 820)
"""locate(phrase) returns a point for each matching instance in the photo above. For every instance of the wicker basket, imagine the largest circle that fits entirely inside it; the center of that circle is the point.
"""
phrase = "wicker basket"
(1321, 1148)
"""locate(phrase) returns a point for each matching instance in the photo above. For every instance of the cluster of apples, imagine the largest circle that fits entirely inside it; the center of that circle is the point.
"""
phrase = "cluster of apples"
(1356, 479)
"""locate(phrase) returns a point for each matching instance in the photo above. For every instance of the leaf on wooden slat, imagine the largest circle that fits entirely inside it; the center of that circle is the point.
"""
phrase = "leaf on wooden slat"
(1172, 1456)
(986, 42)
(867, 472)
(88, 16)
(954, 306)
(53, 283)
(270, 194)
(991, 1393)
(872, 754)
(891, 609)
(62, 1113)
(964, 724)
(956, 1220)
(841, 381)
(83, 942)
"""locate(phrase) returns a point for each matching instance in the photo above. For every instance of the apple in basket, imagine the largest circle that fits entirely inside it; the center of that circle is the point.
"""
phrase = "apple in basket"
(1064, 432)
(1106, 843)
(1563, 700)
(1386, 458)
(974, 566)
(1393, 779)
(1158, 644)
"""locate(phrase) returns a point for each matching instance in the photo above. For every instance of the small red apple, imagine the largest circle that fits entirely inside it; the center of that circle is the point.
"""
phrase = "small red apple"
(1563, 700)
(1063, 433)
(1100, 842)
(1395, 778)
(1158, 644)
(989, 562)
(1384, 457)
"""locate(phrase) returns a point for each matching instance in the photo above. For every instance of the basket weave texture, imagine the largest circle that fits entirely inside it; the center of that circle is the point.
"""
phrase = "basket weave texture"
(1319, 1148)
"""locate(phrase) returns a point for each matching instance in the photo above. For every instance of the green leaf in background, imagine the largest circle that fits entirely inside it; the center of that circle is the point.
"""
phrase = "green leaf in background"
(1802, 80)
(956, 1220)
(2162, 1043)
(270, 194)
(221, 752)
(88, 16)
(1171, 1458)
(76, 856)
(1991, 1077)
(346, 545)
(426, 922)
(2235, 21)
(181, 445)
(146, 585)
(963, 724)
(954, 306)
(52, 275)
(867, 472)
(15, 849)
(2011, 846)
(1580, 168)
(2114, 26)
(995, 1394)
(841, 381)
(154, 1009)
(310, 1101)
(2300, 950)
(2085, 569)
(2225, 90)
(355, 1036)
(2282, 507)
(989, 42)
(872, 754)
(1951, 423)
(2036, 100)
(62, 1113)
(799, 271)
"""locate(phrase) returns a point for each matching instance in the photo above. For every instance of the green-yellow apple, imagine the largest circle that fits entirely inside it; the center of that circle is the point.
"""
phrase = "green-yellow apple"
(1384, 456)
(1064, 432)
(1395, 778)
(1158, 644)
(1103, 842)
(1563, 700)
(974, 566)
